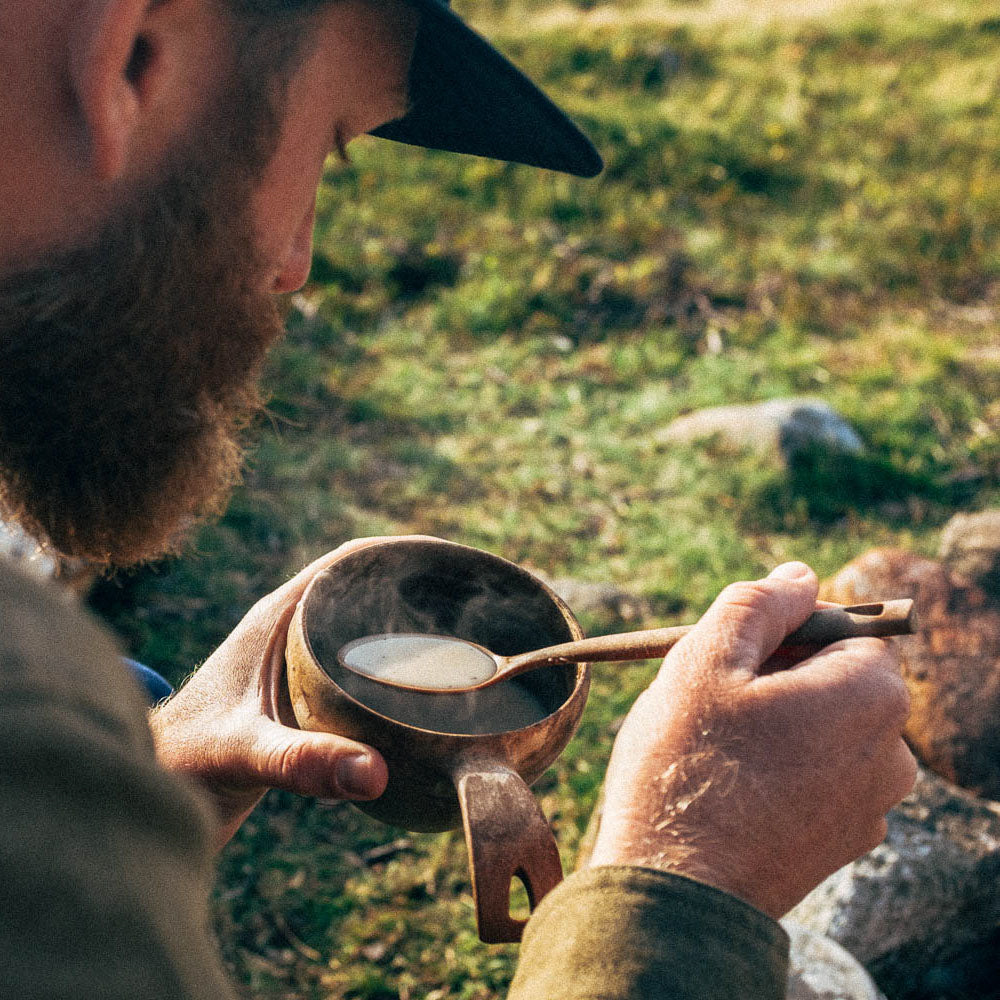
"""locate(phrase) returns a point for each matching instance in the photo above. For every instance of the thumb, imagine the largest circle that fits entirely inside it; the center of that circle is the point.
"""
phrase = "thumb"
(321, 765)
(748, 621)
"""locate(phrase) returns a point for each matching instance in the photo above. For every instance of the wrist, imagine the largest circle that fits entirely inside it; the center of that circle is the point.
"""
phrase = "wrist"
(185, 752)
(680, 860)
(675, 850)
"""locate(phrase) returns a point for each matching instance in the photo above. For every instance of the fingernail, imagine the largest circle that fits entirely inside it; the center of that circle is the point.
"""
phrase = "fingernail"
(355, 775)
(790, 571)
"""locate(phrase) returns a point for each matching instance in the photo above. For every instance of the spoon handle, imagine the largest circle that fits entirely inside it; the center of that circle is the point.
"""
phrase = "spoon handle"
(822, 627)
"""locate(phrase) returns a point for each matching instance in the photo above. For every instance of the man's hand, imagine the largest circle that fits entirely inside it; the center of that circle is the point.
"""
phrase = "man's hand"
(231, 728)
(758, 784)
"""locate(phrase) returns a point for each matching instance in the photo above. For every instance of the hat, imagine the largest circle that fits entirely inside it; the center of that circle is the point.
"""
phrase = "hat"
(465, 97)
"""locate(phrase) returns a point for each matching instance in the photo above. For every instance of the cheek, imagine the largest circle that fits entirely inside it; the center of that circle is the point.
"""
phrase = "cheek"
(283, 201)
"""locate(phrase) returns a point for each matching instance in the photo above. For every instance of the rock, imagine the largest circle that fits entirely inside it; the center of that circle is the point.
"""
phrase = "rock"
(970, 547)
(971, 975)
(926, 901)
(783, 427)
(609, 605)
(951, 667)
(820, 969)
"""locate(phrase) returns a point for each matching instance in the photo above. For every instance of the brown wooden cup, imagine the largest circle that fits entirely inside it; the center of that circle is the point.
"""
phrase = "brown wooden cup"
(439, 778)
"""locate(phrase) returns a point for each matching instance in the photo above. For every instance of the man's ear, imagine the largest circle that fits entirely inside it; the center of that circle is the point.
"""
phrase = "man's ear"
(102, 46)
(135, 66)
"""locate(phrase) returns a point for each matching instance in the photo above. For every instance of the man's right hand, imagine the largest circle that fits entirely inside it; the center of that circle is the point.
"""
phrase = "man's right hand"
(760, 784)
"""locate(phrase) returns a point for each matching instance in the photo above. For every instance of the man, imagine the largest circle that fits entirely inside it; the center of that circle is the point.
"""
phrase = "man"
(159, 163)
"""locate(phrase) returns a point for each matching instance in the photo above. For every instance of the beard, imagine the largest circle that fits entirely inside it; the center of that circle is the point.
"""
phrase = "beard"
(129, 367)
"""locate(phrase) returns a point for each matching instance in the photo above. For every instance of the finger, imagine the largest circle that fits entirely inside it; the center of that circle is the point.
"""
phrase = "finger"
(786, 656)
(321, 765)
(862, 651)
(868, 667)
(862, 675)
(898, 776)
(893, 774)
(748, 621)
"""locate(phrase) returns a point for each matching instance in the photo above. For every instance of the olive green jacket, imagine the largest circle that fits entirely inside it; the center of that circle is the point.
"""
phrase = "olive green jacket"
(105, 860)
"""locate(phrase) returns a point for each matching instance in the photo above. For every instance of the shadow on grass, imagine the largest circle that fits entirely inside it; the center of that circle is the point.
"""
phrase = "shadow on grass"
(822, 487)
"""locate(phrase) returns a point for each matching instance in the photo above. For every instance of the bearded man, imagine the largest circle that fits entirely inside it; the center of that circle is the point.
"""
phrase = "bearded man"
(160, 160)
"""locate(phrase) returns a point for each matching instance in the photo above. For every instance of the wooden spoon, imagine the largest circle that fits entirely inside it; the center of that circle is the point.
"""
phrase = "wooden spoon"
(423, 662)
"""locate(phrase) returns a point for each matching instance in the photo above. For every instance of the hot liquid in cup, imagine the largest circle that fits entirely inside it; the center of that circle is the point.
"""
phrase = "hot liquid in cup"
(436, 662)
(423, 661)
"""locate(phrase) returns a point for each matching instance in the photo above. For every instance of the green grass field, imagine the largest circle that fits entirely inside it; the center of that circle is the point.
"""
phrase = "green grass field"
(799, 199)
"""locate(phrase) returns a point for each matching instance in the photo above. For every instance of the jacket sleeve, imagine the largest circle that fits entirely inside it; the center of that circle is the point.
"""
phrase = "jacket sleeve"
(104, 859)
(610, 933)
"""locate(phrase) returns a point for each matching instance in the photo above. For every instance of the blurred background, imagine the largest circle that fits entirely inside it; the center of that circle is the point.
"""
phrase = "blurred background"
(800, 208)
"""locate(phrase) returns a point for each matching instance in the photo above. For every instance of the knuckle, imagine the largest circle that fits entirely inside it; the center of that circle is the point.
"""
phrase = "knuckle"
(872, 663)
(873, 653)
(763, 611)
(889, 698)
(859, 838)
(867, 836)
(868, 650)
(740, 610)
(898, 699)
(892, 782)
(752, 595)
(284, 762)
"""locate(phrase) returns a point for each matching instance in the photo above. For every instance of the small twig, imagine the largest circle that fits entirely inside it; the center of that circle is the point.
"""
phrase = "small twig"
(311, 954)
(386, 851)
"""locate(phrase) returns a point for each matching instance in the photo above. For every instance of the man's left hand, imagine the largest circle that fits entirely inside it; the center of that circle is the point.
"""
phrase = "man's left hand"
(231, 728)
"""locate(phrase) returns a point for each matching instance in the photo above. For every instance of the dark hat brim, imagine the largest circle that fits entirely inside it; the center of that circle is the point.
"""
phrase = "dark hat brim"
(465, 97)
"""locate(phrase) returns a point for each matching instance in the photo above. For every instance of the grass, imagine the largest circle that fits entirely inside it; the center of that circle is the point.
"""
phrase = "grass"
(797, 204)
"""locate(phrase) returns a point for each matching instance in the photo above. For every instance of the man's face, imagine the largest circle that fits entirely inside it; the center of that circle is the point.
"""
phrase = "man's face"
(330, 102)
(130, 365)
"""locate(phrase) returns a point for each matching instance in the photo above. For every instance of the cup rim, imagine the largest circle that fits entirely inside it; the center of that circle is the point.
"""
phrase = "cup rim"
(581, 676)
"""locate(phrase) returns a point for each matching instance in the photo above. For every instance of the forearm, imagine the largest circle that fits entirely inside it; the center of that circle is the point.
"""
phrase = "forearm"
(610, 933)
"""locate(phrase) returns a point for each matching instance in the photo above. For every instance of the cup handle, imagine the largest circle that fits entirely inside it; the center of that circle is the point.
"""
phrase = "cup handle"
(508, 836)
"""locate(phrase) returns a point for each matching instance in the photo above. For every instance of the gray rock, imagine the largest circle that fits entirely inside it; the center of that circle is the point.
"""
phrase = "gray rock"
(923, 901)
(970, 547)
(605, 602)
(820, 969)
(783, 427)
